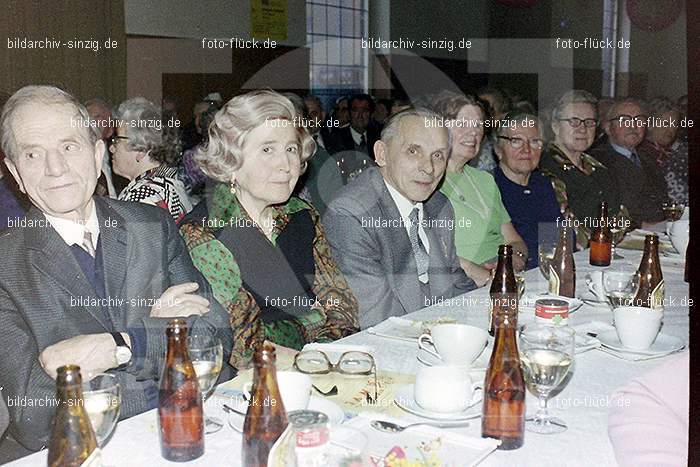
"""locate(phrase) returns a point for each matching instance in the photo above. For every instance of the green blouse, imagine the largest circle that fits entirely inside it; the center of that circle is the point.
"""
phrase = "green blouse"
(479, 213)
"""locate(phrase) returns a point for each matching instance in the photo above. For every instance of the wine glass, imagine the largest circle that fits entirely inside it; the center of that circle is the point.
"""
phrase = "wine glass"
(545, 254)
(546, 355)
(618, 229)
(620, 287)
(206, 354)
(102, 401)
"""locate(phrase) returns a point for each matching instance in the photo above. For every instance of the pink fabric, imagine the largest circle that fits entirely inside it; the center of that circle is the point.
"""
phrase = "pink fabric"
(648, 420)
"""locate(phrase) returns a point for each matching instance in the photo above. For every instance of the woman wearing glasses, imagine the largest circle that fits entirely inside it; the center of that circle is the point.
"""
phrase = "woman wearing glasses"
(263, 251)
(147, 151)
(580, 181)
(527, 194)
(482, 222)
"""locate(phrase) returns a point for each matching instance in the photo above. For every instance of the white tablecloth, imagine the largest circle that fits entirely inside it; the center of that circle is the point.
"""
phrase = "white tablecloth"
(583, 404)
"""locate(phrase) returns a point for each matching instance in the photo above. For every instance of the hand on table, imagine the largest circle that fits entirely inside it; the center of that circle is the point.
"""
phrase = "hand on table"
(179, 301)
(94, 353)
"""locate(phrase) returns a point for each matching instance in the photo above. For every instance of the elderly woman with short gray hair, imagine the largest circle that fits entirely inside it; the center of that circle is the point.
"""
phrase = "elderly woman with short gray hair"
(147, 150)
(263, 250)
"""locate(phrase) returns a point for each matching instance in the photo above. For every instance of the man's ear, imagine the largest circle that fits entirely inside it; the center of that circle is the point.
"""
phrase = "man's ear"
(380, 150)
(15, 174)
(498, 151)
(99, 154)
(555, 128)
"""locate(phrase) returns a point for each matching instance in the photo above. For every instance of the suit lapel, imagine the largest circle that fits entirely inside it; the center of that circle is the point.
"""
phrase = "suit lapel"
(115, 252)
(403, 261)
(52, 257)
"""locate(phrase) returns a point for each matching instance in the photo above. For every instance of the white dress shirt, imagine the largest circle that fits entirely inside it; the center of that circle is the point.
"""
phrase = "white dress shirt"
(405, 206)
(357, 136)
(73, 232)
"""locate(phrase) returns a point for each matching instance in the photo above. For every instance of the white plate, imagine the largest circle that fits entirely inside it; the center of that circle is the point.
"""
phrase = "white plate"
(662, 345)
(404, 399)
(331, 409)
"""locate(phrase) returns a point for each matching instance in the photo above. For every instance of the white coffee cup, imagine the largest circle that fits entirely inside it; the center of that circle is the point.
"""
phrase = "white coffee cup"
(637, 327)
(295, 389)
(679, 232)
(446, 389)
(594, 281)
(456, 344)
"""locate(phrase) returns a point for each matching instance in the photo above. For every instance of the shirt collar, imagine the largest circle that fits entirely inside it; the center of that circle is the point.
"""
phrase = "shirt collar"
(73, 232)
(404, 205)
(357, 136)
(624, 151)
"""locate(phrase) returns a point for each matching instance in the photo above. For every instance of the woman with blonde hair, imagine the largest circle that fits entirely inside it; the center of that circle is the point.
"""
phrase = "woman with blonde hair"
(263, 251)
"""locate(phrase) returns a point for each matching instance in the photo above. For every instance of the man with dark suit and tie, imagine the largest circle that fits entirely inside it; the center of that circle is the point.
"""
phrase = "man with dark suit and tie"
(642, 185)
(352, 146)
(86, 280)
(390, 231)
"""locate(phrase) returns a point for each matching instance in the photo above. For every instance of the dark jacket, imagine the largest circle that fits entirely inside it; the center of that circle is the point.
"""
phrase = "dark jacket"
(642, 189)
(44, 299)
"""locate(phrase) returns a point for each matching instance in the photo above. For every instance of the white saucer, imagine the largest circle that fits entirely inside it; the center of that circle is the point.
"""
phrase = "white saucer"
(331, 409)
(429, 359)
(404, 399)
(662, 345)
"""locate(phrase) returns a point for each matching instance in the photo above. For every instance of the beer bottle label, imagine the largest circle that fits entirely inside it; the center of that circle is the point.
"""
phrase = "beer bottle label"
(554, 281)
(657, 296)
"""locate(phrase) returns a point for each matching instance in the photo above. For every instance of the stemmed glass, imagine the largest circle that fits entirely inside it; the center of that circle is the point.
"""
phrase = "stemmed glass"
(102, 400)
(206, 354)
(620, 287)
(618, 229)
(546, 355)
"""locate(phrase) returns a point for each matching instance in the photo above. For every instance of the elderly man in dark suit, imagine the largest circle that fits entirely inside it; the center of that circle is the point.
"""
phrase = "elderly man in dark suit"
(391, 232)
(641, 183)
(352, 146)
(86, 280)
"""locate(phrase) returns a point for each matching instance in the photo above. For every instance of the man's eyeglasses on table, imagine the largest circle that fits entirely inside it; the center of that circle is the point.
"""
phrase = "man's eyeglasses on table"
(316, 362)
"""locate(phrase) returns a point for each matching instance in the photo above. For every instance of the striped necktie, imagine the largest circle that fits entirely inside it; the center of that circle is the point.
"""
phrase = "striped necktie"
(422, 257)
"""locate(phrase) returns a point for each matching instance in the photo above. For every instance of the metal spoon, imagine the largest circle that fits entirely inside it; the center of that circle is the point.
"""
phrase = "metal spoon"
(389, 427)
(331, 392)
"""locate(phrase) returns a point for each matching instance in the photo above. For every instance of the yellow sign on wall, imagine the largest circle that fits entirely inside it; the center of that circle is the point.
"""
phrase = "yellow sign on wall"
(268, 19)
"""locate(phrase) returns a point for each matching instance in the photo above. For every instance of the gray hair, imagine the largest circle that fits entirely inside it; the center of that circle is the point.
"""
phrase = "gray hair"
(148, 131)
(221, 156)
(393, 123)
(660, 105)
(612, 110)
(575, 96)
(514, 118)
(46, 95)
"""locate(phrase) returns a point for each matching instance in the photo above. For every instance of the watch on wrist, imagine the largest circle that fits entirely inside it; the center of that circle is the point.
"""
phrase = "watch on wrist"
(123, 352)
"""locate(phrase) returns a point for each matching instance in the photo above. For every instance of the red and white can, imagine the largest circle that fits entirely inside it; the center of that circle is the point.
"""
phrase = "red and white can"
(551, 311)
(312, 437)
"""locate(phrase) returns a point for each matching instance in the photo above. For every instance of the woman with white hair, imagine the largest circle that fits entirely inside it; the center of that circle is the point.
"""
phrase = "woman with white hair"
(263, 251)
(147, 151)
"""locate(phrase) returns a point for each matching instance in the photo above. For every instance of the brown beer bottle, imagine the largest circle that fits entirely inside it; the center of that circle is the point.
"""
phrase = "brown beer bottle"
(180, 413)
(503, 413)
(266, 418)
(601, 239)
(503, 287)
(72, 440)
(651, 281)
(562, 269)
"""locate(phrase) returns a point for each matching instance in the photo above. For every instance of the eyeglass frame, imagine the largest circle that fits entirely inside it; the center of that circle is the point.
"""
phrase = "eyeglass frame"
(336, 367)
(113, 139)
(540, 145)
(635, 118)
(571, 121)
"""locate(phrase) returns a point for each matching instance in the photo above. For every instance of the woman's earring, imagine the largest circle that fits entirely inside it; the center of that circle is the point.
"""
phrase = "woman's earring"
(232, 187)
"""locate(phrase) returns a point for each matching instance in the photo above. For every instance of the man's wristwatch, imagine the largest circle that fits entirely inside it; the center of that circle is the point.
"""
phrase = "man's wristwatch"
(123, 352)
(521, 254)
